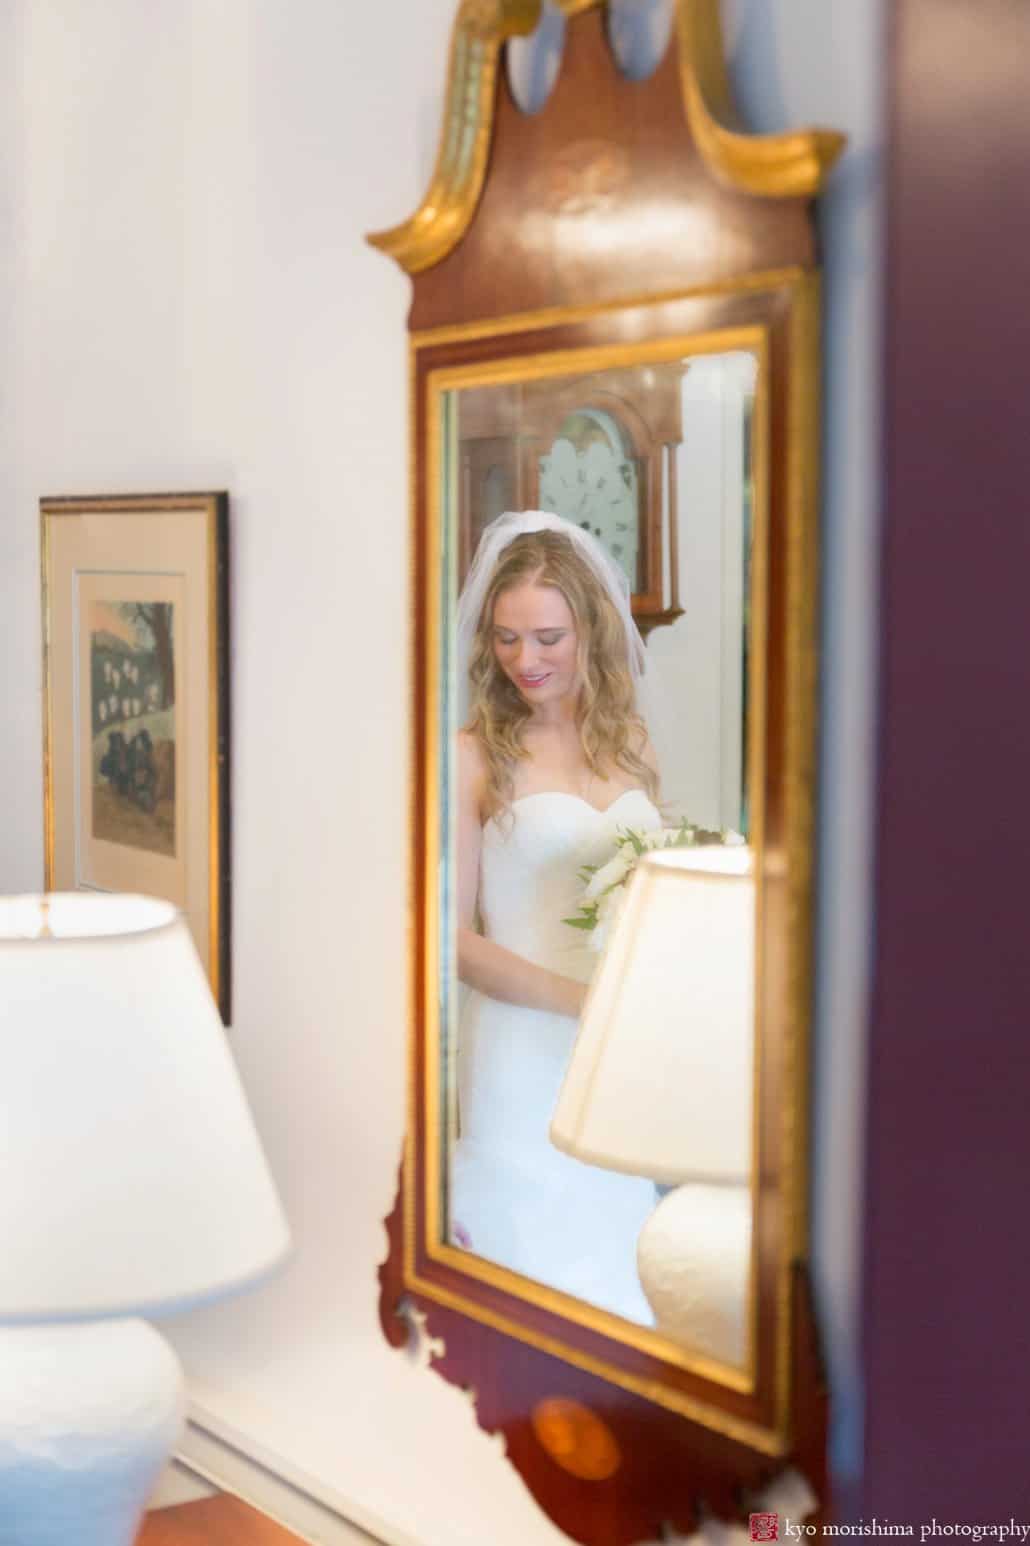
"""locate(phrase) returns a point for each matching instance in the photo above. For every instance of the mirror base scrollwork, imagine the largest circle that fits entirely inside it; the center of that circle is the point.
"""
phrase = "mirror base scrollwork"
(611, 1473)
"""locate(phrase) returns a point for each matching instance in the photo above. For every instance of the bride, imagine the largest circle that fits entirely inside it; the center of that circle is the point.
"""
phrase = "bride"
(553, 761)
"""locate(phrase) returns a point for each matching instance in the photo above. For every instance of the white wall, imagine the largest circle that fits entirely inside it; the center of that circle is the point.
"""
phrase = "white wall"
(188, 185)
(696, 664)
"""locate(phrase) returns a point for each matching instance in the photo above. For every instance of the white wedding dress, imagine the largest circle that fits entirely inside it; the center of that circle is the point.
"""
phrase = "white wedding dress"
(514, 1198)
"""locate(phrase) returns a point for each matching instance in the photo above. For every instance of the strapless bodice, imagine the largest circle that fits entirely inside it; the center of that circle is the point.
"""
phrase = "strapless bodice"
(513, 1197)
(530, 864)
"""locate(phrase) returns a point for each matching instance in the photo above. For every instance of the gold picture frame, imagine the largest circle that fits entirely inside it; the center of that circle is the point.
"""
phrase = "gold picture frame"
(136, 705)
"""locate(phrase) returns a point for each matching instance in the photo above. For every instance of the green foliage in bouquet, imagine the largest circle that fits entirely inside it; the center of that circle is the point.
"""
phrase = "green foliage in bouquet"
(605, 883)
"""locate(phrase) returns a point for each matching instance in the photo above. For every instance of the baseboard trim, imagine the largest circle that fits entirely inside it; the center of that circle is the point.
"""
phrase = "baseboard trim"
(179, 1484)
(233, 1462)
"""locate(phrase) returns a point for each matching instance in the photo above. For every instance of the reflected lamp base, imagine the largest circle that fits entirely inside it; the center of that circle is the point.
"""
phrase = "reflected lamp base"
(694, 1261)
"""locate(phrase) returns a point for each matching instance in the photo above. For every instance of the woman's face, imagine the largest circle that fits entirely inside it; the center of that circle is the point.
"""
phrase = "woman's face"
(534, 638)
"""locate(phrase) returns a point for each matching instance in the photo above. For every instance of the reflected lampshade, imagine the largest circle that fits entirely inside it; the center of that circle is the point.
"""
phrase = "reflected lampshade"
(661, 1077)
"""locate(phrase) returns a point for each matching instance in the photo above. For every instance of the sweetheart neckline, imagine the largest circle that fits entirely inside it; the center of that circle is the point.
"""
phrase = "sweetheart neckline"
(567, 794)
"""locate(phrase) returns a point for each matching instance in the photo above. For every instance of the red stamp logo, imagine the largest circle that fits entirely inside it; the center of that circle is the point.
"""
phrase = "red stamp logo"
(764, 1527)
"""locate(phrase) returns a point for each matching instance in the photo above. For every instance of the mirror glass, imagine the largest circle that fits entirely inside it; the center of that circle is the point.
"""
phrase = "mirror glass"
(655, 459)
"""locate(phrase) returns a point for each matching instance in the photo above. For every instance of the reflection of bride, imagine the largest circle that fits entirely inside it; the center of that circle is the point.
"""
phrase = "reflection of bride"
(554, 759)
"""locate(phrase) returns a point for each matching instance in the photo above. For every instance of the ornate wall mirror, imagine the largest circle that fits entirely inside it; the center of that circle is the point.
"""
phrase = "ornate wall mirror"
(615, 321)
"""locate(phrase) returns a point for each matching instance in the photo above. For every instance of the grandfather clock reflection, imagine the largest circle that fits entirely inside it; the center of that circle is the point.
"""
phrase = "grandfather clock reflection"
(599, 450)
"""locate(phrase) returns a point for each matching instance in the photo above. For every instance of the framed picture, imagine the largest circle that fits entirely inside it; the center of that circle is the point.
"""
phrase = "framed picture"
(136, 689)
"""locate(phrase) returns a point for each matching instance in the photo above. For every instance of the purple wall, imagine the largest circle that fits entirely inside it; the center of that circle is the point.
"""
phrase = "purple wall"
(947, 1233)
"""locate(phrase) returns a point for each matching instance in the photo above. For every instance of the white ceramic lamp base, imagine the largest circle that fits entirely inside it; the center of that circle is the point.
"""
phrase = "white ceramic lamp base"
(88, 1416)
(694, 1261)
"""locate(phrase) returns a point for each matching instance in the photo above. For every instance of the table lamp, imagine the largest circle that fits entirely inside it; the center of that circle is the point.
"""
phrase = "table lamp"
(132, 1183)
(660, 1084)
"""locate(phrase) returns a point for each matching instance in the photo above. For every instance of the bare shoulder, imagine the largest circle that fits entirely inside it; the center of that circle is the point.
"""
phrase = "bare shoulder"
(471, 764)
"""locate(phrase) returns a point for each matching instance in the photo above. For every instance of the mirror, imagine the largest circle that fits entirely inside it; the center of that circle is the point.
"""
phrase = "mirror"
(614, 320)
(653, 455)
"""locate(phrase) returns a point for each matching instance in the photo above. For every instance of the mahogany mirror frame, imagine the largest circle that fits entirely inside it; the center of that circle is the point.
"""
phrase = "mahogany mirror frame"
(617, 1436)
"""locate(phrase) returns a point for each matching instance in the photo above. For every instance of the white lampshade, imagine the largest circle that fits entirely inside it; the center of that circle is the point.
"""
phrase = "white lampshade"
(661, 1076)
(132, 1180)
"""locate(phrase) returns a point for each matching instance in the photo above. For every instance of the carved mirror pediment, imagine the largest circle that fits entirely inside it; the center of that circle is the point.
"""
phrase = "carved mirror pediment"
(615, 321)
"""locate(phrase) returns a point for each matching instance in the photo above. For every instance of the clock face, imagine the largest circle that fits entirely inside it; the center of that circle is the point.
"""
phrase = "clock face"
(588, 478)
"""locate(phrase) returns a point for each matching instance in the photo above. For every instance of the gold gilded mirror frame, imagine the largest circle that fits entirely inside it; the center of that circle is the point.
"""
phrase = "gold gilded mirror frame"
(530, 257)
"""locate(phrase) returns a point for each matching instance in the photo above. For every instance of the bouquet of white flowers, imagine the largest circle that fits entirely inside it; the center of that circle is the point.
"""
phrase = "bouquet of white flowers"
(605, 884)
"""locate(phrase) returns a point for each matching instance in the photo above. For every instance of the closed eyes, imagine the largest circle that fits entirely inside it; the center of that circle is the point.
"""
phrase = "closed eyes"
(545, 636)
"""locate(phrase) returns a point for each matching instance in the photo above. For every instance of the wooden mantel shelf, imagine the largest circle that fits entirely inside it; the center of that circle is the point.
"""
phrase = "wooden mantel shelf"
(222, 1521)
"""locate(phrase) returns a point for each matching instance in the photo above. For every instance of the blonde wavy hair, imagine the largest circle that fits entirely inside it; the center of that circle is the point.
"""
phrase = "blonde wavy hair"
(611, 731)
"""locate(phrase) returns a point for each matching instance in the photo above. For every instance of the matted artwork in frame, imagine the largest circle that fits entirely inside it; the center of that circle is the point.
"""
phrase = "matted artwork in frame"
(136, 715)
